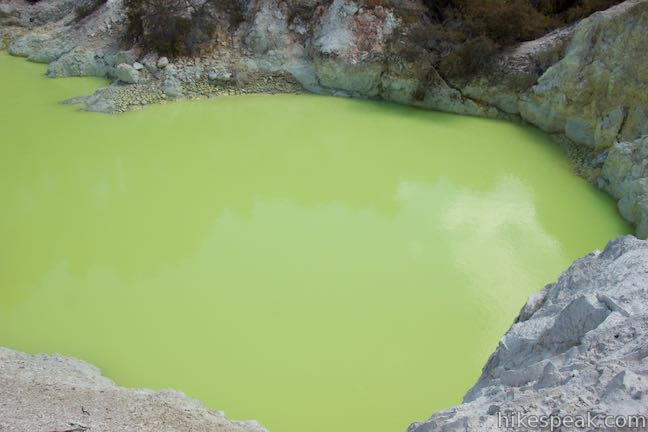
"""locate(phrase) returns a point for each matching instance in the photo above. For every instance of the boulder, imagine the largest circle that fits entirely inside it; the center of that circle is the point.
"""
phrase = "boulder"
(127, 74)
(162, 62)
(173, 88)
(220, 76)
(80, 63)
(39, 47)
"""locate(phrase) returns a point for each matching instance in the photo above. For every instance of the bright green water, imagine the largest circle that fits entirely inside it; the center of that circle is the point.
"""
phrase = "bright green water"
(317, 264)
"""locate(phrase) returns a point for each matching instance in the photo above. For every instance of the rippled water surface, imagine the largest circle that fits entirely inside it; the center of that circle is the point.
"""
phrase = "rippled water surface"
(316, 264)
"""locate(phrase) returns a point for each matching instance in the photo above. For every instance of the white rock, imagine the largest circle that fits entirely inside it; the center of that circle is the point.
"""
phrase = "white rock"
(162, 62)
(572, 351)
(62, 390)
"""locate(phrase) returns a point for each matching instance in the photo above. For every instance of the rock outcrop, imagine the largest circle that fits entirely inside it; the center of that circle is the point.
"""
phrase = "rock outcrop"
(625, 176)
(127, 74)
(579, 347)
(54, 393)
(584, 82)
(595, 95)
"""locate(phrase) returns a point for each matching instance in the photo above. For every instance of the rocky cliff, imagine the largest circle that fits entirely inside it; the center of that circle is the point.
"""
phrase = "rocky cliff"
(579, 347)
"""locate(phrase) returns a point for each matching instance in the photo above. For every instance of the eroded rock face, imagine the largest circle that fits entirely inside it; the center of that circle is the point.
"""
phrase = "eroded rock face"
(580, 345)
(625, 176)
(596, 94)
(53, 393)
(585, 82)
(349, 45)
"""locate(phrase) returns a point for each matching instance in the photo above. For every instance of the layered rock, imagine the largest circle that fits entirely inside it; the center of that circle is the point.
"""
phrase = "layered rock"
(54, 393)
(579, 347)
(584, 82)
(596, 94)
(625, 176)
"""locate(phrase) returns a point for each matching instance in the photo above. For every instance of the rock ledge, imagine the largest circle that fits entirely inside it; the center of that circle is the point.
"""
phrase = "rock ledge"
(53, 393)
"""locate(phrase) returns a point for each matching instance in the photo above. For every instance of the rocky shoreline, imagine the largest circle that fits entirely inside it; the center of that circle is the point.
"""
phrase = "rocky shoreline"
(583, 84)
(54, 393)
(580, 345)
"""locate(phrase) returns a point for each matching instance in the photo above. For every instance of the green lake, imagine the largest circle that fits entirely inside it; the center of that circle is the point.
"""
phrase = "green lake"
(313, 263)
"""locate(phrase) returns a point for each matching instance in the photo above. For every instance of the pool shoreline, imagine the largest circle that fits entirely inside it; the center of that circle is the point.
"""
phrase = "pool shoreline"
(606, 157)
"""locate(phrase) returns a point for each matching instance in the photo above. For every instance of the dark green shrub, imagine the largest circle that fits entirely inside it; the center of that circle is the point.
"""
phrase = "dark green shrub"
(553, 7)
(87, 7)
(428, 42)
(437, 10)
(471, 58)
(179, 27)
(460, 38)
(585, 8)
(301, 11)
(505, 21)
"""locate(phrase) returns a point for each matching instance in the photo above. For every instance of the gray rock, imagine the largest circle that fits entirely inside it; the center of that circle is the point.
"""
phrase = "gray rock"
(48, 393)
(162, 62)
(345, 62)
(40, 48)
(590, 94)
(127, 74)
(150, 62)
(128, 57)
(269, 30)
(173, 88)
(573, 354)
(359, 79)
(96, 102)
(220, 76)
(138, 66)
(551, 377)
(9, 15)
(625, 176)
(79, 63)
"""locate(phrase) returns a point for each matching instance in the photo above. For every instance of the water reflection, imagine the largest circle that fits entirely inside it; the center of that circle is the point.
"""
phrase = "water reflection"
(279, 255)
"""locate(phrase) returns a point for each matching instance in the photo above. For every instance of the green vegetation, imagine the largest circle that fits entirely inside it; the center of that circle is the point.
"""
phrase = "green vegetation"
(87, 7)
(460, 37)
(174, 28)
(457, 37)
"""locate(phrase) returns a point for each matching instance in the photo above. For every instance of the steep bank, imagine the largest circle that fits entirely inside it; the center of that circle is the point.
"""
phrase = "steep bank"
(578, 346)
